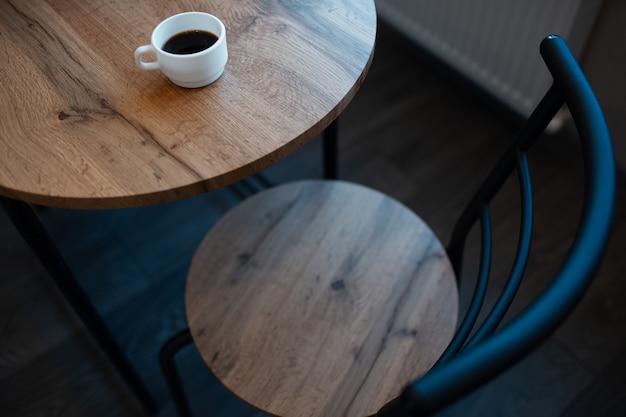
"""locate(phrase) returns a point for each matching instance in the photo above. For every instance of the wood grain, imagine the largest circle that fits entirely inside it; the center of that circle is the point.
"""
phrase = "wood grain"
(320, 299)
(391, 140)
(83, 128)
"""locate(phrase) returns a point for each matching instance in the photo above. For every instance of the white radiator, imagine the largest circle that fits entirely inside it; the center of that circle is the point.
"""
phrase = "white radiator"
(494, 43)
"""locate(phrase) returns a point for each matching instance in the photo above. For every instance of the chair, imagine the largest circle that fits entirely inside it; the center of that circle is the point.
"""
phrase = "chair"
(325, 298)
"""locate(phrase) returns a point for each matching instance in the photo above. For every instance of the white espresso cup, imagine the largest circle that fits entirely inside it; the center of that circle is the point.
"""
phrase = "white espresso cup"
(179, 44)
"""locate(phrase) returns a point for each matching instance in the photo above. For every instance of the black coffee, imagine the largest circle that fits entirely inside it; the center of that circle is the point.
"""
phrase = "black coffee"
(190, 42)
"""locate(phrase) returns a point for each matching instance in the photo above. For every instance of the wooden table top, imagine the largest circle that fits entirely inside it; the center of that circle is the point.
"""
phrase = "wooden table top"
(82, 127)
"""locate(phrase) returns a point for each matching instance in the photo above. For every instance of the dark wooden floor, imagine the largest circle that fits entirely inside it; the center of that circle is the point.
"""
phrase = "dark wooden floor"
(411, 133)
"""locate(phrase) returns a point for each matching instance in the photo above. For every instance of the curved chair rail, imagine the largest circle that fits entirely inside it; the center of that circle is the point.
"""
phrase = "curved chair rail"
(489, 354)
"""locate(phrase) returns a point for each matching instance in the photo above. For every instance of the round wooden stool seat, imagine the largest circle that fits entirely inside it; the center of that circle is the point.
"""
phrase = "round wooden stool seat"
(320, 298)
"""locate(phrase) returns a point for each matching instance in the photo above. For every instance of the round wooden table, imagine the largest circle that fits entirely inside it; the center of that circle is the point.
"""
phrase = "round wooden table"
(82, 127)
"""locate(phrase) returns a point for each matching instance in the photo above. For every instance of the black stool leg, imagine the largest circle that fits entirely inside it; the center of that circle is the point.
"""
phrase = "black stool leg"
(170, 371)
(394, 408)
(33, 232)
(331, 151)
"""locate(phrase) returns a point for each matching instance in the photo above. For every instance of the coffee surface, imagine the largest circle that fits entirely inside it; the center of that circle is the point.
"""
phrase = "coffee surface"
(190, 42)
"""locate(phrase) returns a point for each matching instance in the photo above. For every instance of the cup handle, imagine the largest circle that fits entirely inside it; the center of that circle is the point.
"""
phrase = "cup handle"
(141, 51)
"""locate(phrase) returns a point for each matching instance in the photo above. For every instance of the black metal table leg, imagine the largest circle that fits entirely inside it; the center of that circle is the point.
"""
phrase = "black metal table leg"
(331, 151)
(33, 232)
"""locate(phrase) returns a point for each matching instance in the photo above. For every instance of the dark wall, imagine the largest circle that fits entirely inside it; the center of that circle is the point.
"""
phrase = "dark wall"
(604, 63)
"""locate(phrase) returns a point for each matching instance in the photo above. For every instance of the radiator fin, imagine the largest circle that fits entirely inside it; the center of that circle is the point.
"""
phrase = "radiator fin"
(494, 43)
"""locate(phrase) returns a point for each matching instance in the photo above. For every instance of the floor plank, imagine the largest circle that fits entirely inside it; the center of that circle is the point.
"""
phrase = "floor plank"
(606, 396)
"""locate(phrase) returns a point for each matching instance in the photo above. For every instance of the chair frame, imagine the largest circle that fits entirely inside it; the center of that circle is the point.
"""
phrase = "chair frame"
(466, 365)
